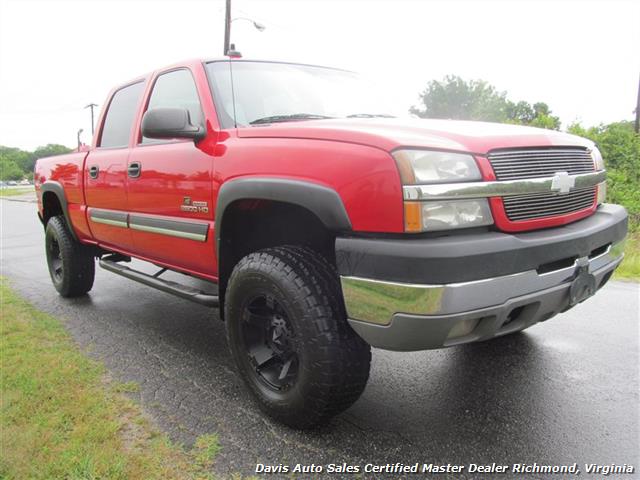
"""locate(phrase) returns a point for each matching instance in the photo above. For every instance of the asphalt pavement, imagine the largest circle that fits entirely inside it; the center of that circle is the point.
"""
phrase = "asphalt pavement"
(565, 391)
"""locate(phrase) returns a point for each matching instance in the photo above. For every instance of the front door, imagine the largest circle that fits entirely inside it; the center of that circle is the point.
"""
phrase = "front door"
(170, 188)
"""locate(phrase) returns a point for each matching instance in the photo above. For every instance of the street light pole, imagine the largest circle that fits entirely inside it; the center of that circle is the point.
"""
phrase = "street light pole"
(638, 109)
(91, 106)
(227, 29)
(78, 138)
(227, 26)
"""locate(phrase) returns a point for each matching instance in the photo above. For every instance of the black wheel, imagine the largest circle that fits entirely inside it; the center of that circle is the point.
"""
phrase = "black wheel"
(71, 264)
(289, 337)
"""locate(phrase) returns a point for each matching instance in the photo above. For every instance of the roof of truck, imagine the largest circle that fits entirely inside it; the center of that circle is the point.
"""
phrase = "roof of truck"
(197, 61)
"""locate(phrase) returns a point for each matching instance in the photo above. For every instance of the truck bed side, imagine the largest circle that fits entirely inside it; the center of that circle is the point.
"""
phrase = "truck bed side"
(59, 183)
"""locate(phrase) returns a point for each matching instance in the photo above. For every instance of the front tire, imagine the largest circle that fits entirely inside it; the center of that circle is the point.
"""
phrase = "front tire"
(289, 337)
(71, 264)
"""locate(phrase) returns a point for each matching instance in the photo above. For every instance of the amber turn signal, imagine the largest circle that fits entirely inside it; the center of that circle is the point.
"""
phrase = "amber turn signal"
(412, 217)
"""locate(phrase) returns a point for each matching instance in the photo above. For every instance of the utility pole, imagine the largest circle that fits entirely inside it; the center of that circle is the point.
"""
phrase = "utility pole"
(227, 26)
(78, 138)
(91, 106)
(638, 109)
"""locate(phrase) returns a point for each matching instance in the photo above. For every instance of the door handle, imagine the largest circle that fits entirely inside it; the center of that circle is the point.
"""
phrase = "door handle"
(94, 170)
(133, 170)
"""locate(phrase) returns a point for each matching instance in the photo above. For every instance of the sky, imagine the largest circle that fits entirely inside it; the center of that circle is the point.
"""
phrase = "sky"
(581, 57)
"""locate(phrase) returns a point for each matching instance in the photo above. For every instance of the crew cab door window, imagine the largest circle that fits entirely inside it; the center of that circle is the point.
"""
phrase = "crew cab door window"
(176, 89)
(117, 125)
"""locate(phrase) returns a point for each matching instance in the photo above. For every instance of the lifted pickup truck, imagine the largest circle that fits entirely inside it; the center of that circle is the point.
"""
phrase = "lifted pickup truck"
(327, 225)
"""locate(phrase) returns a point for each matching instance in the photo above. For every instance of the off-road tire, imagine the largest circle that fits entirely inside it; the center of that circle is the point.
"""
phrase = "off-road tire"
(333, 361)
(71, 264)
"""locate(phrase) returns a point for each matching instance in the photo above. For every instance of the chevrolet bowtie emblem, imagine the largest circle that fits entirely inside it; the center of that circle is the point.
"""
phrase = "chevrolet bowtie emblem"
(562, 183)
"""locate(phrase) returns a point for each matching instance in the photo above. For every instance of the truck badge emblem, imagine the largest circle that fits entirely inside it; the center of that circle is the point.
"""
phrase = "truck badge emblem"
(562, 183)
(192, 206)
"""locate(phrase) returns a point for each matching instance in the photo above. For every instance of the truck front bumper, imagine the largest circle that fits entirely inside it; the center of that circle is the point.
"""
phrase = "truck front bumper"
(418, 294)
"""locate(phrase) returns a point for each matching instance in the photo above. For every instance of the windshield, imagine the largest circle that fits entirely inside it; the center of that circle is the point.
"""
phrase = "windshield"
(265, 92)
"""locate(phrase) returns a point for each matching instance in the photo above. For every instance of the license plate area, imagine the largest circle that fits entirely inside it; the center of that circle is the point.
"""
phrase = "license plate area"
(583, 285)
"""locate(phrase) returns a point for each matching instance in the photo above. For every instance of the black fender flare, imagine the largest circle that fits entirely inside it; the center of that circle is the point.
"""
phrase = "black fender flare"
(58, 190)
(322, 201)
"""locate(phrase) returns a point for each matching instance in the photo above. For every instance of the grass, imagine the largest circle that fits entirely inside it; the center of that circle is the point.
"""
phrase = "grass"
(60, 417)
(630, 267)
(12, 192)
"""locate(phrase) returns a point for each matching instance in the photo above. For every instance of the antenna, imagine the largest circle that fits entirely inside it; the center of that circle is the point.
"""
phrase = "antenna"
(232, 52)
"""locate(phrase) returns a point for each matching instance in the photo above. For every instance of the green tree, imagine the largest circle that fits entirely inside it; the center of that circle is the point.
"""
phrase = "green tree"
(12, 158)
(24, 160)
(9, 170)
(521, 112)
(543, 118)
(545, 121)
(458, 99)
(50, 150)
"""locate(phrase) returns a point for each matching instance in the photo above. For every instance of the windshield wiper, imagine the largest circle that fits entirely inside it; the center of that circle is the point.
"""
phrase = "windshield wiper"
(288, 118)
(370, 115)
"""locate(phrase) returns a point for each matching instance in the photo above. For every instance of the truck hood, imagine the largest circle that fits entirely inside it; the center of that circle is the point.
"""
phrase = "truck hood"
(391, 133)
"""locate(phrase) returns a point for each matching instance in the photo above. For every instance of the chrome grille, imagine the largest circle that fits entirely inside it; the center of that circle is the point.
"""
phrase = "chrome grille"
(539, 162)
(540, 205)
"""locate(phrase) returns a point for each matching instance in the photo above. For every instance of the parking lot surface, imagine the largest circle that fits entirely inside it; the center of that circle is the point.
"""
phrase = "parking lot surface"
(565, 391)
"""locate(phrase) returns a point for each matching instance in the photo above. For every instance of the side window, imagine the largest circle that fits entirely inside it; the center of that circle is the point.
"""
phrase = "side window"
(176, 89)
(120, 116)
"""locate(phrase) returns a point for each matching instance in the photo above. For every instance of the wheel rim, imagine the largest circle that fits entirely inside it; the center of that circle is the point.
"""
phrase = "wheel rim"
(55, 260)
(270, 342)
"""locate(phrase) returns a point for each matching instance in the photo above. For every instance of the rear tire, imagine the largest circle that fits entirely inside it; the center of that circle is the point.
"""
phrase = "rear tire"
(71, 264)
(289, 337)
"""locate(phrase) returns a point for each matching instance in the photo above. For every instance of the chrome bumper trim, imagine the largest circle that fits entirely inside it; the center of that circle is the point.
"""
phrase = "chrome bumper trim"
(453, 191)
(408, 332)
(376, 301)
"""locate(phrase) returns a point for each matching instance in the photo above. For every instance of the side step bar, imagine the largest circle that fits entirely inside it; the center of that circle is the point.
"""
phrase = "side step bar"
(182, 291)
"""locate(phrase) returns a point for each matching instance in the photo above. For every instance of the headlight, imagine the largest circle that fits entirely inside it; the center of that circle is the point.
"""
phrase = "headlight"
(425, 166)
(598, 161)
(419, 167)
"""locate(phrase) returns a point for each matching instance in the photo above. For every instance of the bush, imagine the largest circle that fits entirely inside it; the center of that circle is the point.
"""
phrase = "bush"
(620, 147)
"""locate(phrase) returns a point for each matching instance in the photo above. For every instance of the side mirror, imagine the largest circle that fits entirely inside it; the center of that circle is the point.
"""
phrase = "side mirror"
(170, 122)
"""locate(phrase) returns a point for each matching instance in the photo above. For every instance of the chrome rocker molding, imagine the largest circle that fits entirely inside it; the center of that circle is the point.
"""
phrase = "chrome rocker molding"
(406, 317)
(109, 217)
(146, 223)
(173, 228)
(453, 191)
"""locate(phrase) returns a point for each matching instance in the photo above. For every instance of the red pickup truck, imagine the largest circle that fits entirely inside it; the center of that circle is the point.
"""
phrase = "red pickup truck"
(327, 225)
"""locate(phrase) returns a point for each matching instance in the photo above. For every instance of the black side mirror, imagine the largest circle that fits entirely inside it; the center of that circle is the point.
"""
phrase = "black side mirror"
(170, 122)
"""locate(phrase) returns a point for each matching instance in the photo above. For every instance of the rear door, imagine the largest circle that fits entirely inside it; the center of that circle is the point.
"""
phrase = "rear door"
(170, 186)
(105, 174)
